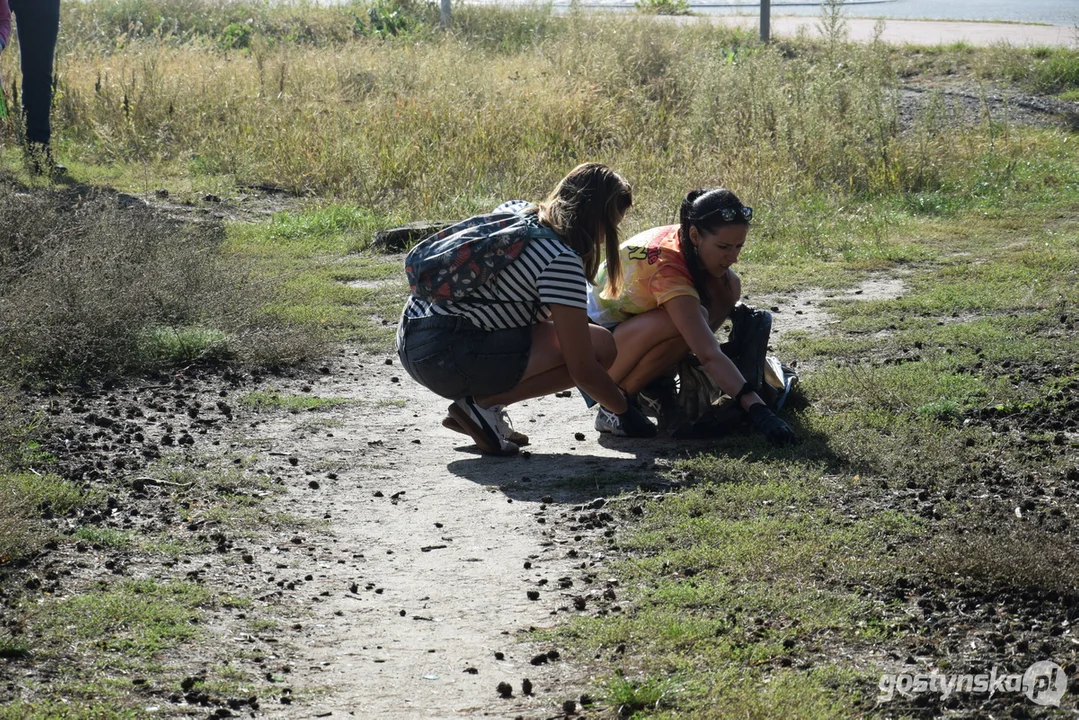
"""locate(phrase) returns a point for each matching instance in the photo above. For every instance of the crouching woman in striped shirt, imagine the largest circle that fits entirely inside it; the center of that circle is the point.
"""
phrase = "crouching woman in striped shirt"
(528, 334)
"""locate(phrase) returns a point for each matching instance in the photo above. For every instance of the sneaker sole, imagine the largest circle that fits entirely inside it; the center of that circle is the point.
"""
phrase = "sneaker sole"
(476, 432)
(450, 423)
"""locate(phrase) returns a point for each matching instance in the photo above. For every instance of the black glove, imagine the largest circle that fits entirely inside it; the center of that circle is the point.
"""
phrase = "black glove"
(777, 431)
(634, 423)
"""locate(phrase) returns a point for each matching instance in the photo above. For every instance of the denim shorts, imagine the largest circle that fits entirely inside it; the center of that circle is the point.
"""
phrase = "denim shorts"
(453, 358)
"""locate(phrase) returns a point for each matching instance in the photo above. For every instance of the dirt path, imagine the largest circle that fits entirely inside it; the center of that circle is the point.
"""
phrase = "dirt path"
(413, 574)
(418, 573)
(803, 311)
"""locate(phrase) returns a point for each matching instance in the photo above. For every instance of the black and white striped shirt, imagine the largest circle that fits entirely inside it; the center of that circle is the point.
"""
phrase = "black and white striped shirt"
(547, 273)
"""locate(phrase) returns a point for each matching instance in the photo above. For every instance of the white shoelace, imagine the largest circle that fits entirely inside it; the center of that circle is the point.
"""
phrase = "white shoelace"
(502, 420)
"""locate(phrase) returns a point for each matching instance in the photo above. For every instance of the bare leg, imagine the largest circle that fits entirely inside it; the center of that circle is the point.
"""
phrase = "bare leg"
(654, 363)
(649, 343)
(546, 371)
(637, 337)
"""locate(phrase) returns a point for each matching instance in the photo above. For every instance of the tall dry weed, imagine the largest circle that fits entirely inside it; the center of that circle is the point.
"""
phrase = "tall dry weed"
(451, 124)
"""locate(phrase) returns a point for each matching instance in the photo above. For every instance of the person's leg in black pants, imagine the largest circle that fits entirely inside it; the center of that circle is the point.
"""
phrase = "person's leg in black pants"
(38, 23)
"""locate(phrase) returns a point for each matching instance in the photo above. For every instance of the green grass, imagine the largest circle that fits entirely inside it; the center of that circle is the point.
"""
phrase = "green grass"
(53, 709)
(26, 498)
(122, 628)
(273, 400)
(768, 586)
(105, 537)
(132, 620)
(331, 282)
(632, 696)
(745, 591)
(184, 345)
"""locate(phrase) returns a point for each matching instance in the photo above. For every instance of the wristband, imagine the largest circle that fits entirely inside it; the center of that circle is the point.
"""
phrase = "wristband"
(746, 389)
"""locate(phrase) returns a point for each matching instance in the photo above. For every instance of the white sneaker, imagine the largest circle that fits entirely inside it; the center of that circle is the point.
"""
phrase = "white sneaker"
(659, 399)
(502, 422)
(517, 438)
(608, 422)
(489, 427)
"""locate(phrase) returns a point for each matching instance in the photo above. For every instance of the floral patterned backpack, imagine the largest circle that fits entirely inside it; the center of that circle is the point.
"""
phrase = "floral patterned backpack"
(452, 264)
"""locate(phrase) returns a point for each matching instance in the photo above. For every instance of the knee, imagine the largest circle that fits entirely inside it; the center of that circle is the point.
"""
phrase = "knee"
(604, 347)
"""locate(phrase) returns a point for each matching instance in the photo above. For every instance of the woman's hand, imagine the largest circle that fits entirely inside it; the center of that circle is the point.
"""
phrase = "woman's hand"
(688, 316)
(770, 425)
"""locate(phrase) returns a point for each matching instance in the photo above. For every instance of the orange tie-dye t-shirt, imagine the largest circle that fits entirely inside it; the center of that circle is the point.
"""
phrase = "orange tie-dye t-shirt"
(653, 272)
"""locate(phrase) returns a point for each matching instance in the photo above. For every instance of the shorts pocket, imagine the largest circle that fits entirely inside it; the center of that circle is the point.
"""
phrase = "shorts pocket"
(439, 374)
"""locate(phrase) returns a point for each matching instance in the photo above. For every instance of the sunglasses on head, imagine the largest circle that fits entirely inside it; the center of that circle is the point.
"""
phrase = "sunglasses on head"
(730, 214)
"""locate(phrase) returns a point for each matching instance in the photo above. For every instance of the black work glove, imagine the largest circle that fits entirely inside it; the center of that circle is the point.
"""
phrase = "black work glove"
(770, 425)
(634, 423)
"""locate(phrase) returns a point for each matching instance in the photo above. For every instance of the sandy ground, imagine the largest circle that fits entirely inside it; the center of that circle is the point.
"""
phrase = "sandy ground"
(420, 573)
(417, 554)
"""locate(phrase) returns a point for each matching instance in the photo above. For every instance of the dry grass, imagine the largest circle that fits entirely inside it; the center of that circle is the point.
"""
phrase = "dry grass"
(93, 285)
(502, 106)
(1001, 554)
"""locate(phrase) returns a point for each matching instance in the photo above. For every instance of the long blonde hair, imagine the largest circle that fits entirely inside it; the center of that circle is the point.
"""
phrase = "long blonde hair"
(588, 203)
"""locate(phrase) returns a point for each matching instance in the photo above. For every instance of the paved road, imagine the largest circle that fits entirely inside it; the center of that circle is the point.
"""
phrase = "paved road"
(918, 32)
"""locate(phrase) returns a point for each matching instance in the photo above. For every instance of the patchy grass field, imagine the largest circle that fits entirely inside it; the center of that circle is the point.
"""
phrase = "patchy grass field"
(925, 521)
(924, 524)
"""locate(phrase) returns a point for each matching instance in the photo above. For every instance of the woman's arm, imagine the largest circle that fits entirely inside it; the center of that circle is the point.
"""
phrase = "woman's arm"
(571, 326)
(688, 316)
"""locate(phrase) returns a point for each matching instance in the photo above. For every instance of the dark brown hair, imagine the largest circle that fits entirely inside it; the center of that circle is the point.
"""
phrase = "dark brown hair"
(699, 209)
(586, 205)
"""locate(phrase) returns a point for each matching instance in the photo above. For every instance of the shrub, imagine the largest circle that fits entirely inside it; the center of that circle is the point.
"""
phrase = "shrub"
(663, 7)
(236, 36)
(102, 286)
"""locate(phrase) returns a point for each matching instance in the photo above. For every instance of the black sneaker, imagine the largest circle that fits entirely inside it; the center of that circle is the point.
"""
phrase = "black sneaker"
(40, 161)
(659, 399)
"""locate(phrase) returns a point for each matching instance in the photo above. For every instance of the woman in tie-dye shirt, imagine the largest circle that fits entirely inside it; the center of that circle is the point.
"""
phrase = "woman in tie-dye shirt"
(677, 288)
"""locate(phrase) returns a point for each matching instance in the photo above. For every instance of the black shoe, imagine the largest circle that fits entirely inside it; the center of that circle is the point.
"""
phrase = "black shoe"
(659, 399)
(40, 161)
